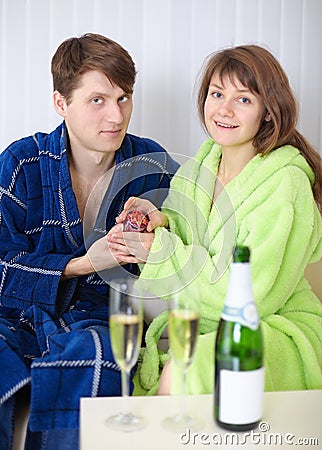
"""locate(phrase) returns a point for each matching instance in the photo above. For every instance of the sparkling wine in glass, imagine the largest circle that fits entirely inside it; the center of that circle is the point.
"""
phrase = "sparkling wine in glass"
(126, 325)
(183, 334)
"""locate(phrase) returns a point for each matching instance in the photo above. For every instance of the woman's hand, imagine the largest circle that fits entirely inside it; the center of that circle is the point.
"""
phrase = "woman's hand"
(156, 217)
(129, 246)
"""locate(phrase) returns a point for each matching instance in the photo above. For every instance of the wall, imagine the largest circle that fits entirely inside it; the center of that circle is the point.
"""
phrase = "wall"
(168, 39)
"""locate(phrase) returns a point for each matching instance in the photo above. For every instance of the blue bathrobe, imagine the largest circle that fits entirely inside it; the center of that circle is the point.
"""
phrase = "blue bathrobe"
(53, 333)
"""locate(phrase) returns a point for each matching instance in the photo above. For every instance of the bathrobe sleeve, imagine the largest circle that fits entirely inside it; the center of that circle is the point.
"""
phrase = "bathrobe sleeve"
(18, 254)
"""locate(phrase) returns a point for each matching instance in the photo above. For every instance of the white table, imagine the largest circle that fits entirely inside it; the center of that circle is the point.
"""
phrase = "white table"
(291, 420)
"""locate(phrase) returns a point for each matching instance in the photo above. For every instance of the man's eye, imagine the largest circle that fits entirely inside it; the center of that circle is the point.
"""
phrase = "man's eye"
(123, 99)
(97, 101)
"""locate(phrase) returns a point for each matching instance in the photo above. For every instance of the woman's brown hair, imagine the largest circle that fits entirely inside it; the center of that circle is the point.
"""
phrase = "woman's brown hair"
(258, 70)
(76, 56)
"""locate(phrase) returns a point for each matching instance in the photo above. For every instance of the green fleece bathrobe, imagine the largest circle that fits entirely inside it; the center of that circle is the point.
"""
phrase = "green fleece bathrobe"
(269, 207)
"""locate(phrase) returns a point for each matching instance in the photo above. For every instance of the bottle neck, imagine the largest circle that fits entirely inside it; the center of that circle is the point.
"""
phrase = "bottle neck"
(239, 303)
(240, 285)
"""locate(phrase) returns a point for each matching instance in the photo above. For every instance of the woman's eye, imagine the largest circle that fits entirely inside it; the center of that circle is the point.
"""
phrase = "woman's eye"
(244, 100)
(216, 94)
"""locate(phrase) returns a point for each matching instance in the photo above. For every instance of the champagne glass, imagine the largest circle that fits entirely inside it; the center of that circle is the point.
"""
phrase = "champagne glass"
(126, 325)
(183, 335)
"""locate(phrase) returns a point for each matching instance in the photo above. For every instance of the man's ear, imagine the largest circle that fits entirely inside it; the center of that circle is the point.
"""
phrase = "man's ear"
(60, 103)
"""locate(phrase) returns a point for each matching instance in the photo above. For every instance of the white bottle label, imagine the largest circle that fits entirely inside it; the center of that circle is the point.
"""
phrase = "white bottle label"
(241, 396)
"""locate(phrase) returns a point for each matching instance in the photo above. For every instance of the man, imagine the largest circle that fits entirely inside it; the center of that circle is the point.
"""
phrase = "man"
(59, 196)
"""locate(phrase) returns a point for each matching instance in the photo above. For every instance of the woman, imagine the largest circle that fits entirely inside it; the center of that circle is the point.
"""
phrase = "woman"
(257, 182)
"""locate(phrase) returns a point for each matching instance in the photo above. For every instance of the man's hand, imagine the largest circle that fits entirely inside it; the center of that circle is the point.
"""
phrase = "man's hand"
(100, 256)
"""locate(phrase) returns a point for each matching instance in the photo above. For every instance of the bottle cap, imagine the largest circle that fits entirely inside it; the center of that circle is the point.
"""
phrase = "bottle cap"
(241, 254)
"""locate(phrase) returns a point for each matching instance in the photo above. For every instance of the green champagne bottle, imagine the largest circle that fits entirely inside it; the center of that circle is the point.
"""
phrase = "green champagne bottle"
(239, 371)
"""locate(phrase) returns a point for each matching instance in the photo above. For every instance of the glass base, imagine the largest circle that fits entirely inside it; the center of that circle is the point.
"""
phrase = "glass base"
(125, 422)
(181, 422)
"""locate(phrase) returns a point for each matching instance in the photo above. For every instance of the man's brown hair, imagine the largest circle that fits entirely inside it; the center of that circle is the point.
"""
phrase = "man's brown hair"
(76, 56)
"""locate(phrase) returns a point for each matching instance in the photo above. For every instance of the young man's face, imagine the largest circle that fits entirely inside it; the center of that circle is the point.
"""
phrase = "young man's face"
(98, 114)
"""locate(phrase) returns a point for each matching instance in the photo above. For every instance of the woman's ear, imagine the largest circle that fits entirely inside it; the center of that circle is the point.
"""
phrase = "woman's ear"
(268, 117)
(60, 103)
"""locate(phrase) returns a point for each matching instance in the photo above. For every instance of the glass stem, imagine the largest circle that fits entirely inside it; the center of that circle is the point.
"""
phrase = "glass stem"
(184, 392)
(125, 390)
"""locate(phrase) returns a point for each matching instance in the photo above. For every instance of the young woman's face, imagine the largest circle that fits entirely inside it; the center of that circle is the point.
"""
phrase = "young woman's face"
(233, 114)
